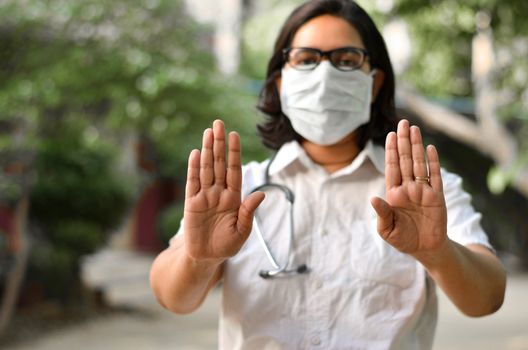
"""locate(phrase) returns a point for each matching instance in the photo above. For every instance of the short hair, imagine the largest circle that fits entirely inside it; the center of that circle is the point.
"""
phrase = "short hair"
(277, 129)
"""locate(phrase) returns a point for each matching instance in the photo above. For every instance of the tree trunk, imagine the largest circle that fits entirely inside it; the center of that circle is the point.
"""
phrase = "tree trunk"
(16, 275)
(487, 135)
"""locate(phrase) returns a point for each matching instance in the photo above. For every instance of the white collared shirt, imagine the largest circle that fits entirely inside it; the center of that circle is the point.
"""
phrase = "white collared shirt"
(360, 292)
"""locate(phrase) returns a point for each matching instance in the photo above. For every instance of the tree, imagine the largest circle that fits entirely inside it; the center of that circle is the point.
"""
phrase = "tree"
(474, 52)
(479, 53)
(122, 65)
(78, 77)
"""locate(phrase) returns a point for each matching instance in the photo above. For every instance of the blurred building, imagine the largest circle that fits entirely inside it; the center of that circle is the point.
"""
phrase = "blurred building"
(227, 18)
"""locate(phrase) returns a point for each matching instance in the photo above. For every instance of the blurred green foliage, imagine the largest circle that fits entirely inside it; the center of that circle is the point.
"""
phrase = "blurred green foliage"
(77, 198)
(169, 221)
(441, 33)
(137, 66)
(77, 181)
(76, 79)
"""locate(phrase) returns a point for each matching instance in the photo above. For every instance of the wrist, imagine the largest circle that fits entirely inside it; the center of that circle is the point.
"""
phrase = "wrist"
(433, 260)
(202, 264)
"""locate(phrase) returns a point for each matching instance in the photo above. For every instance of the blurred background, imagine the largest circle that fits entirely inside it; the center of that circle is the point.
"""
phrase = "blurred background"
(101, 102)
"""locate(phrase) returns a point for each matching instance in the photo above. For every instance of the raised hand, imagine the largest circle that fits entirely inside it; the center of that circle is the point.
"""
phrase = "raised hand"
(413, 219)
(216, 221)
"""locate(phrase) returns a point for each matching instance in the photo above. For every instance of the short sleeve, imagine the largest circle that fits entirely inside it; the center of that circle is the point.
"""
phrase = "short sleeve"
(178, 233)
(463, 222)
(253, 175)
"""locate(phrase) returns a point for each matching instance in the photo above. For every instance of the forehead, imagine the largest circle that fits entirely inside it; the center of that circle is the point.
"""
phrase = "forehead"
(327, 32)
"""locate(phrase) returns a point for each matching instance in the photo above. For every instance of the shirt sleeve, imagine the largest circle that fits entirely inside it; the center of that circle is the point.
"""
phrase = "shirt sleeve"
(253, 175)
(463, 222)
(178, 233)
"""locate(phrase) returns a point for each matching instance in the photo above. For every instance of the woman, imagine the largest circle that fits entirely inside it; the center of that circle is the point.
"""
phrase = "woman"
(335, 272)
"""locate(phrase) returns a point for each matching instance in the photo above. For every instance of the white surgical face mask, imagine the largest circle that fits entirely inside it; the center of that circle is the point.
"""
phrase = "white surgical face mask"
(325, 104)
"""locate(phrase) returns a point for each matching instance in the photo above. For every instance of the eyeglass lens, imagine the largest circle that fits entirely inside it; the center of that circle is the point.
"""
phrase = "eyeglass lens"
(345, 59)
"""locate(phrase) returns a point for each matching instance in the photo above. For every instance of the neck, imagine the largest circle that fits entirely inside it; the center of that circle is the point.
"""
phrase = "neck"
(333, 157)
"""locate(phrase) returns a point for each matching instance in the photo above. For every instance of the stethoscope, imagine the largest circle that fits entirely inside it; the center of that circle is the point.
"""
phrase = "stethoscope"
(278, 269)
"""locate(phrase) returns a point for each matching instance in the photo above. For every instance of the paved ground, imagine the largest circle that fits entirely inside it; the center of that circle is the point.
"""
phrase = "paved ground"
(505, 330)
(149, 329)
(154, 329)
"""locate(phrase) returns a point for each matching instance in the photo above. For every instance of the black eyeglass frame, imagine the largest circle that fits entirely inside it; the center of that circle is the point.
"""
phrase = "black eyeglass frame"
(328, 54)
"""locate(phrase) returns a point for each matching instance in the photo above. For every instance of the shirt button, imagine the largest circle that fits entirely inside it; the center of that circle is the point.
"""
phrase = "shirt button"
(318, 284)
(316, 340)
(324, 233)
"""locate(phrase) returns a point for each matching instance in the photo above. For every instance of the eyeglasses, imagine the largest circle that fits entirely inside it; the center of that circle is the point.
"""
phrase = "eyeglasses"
(307, 58)
(280, 269)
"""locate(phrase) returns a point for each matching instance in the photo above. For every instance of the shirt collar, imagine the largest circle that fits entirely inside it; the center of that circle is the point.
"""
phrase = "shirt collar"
(372, 152)
(287, 154)
(292, 151)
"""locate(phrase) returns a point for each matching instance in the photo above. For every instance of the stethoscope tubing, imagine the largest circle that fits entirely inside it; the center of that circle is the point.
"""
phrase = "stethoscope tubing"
(290, 198)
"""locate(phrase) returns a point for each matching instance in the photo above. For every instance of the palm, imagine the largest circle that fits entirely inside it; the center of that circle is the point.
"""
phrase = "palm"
(419, 213)
(211, 221)
(216, 222)
(413, 219)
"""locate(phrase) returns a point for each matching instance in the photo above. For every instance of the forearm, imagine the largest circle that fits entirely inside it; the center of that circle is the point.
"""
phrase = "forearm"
(472, 277)
(181, 283)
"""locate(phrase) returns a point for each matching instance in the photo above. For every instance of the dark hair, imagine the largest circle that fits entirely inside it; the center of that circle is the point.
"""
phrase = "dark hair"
(277, 129)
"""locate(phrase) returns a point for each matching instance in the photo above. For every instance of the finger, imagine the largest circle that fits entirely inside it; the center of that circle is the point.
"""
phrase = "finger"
(206, 160)
(234, 170)
(434, 169)
(193, 174)
(385, 216)
(392, 163)
(418, 153)
(247, 212)
(219, 151)
(404, 151)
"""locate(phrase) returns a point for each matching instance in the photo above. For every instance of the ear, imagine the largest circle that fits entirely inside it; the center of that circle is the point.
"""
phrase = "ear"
(379, 78)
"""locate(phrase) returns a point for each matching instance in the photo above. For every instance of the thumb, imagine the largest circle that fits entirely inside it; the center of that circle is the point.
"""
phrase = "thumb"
(247, 211)
(385, 216)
